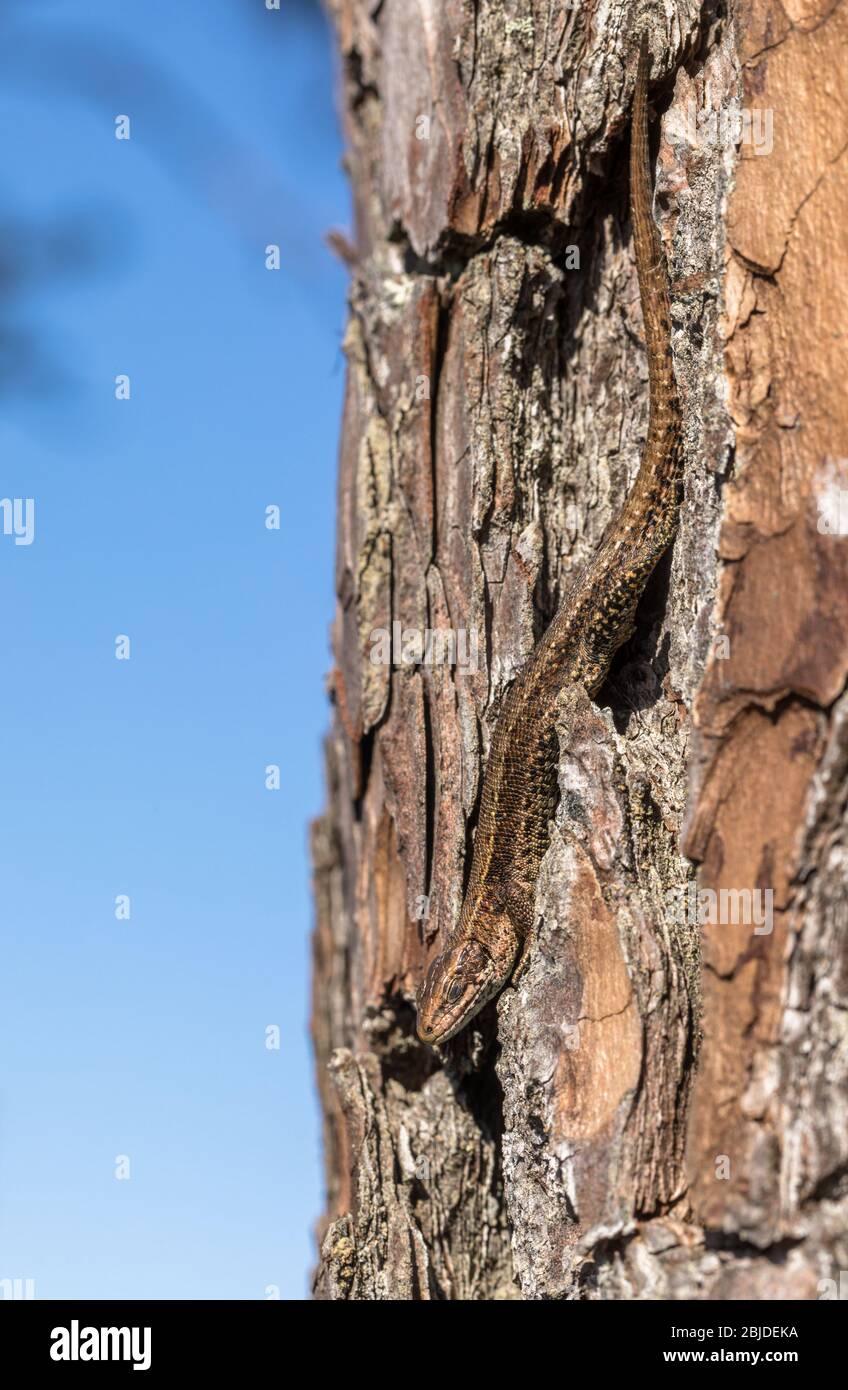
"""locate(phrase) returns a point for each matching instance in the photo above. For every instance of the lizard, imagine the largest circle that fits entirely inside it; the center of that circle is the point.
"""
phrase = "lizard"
(569, 663)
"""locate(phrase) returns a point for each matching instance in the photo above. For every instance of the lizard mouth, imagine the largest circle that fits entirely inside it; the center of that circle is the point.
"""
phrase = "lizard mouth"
(432, 1026)
(438, 1032)
(449, 1025)
(452, 1019)
(434, 1036)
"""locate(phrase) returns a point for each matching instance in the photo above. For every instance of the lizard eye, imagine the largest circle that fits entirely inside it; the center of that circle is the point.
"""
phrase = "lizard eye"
(455, 992)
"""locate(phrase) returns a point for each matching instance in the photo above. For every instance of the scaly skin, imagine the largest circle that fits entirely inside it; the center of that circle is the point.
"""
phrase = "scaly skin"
(569, 663)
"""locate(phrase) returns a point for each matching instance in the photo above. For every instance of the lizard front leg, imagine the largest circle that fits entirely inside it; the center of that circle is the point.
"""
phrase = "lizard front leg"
(572, 706)
(519, 901)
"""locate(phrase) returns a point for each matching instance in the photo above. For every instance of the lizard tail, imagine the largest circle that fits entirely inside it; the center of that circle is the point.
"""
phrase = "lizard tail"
(656, 490)
(648, 520)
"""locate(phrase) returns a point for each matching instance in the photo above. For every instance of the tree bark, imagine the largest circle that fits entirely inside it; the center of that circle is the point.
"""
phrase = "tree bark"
(658, 1108)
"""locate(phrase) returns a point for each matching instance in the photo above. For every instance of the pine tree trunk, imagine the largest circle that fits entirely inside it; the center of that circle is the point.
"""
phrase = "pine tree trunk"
(658, 1108)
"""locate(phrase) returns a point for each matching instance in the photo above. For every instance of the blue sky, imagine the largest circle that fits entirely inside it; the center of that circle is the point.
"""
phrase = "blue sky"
(145, 777)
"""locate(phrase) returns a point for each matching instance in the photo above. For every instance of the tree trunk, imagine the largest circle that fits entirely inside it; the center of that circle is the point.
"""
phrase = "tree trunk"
(658, 1107)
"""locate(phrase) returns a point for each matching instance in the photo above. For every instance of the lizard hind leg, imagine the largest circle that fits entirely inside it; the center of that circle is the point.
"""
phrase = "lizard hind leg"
(523, 960)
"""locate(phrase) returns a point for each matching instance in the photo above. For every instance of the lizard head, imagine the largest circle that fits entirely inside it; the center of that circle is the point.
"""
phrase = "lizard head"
(459, 982)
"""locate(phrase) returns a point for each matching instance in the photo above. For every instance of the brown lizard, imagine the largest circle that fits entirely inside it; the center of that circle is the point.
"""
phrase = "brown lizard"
(569, 663)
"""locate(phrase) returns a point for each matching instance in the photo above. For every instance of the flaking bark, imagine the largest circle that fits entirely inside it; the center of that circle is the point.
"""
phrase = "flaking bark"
(578, 1141)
